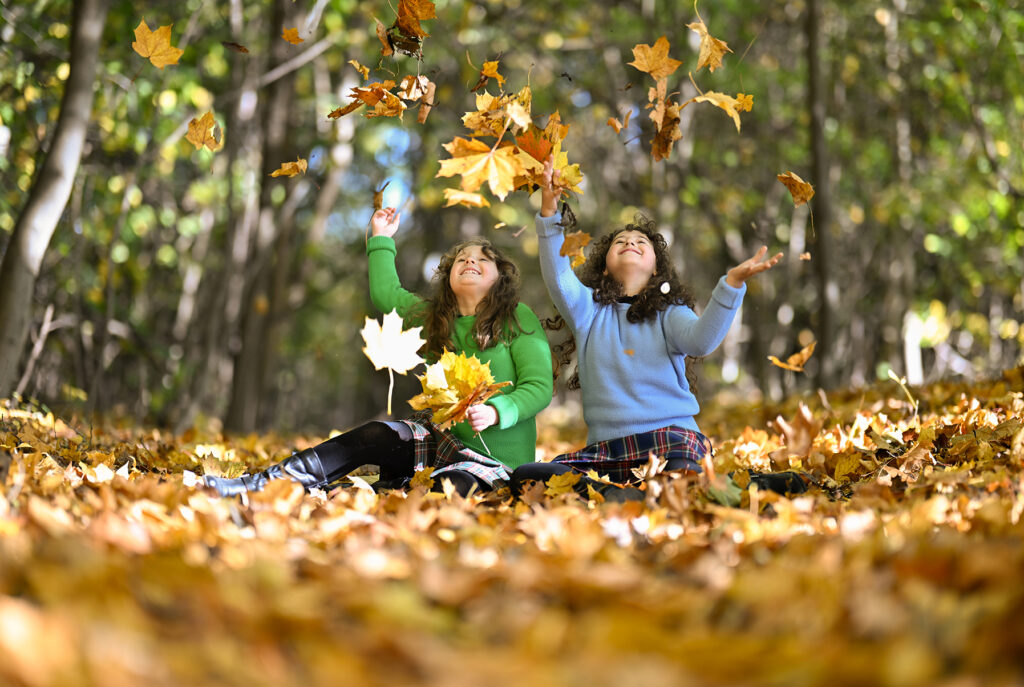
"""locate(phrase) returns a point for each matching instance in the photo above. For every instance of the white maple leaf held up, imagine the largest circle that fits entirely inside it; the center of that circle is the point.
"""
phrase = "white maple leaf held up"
(388, 346)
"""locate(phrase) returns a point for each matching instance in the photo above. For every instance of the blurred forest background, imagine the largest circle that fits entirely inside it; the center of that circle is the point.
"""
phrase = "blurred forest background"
(183, 286)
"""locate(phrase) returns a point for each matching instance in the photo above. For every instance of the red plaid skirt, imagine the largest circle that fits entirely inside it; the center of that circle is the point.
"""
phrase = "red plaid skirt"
(443, 451)
(616, 458)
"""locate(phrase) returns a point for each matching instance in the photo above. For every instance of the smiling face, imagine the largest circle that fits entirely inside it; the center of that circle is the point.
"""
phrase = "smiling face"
(473, 273)
(631, 257)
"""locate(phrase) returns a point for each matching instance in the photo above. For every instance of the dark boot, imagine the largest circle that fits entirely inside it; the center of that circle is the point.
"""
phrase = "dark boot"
(303, 467)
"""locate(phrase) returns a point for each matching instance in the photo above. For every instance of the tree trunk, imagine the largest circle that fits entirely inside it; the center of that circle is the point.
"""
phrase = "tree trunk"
(50, 191)
(821, 203)
(248, 382)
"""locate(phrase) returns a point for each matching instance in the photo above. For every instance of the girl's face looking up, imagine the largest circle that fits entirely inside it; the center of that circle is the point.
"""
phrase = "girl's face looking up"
(473, 274)
(631, 258)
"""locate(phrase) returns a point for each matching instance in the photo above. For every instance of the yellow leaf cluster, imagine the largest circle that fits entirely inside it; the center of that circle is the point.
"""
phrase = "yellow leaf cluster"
(452, 385)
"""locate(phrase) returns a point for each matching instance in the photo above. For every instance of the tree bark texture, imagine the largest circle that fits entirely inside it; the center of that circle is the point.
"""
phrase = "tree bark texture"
(50, 191)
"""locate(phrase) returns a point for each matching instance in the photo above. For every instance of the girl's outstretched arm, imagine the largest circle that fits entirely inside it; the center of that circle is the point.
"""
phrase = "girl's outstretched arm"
(386, 290)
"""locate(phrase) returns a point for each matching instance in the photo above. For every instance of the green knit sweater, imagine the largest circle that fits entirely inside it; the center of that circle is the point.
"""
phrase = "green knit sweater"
(525, 361)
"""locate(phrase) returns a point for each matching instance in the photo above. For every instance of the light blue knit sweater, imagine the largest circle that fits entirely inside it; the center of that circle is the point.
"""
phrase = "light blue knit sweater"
(632, 375)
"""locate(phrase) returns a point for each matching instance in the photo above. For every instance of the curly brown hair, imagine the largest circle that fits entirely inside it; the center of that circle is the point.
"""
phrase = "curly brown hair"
(496, 320)
(654, 298)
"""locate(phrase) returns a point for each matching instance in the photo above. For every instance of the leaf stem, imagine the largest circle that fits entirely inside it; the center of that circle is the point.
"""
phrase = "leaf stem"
(391, 386)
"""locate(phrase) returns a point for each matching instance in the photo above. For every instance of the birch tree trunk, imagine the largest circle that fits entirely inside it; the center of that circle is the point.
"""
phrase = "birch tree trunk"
(50, 191)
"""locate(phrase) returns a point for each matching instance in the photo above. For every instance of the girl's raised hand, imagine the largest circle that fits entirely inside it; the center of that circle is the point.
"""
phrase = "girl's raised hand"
(550, 187)
(748, 268)
(385, 222)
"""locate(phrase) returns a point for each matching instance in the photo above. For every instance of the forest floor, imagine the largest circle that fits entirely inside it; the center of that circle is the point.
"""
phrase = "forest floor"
(899, 565)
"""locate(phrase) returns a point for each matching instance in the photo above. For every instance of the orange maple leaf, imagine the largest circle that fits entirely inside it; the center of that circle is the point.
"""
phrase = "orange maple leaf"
(798, 188)
(796, 361)
(199, 133)
(156, 45)
(573, 245)
(654, 59)
(667, 134)
(712, 50)
(744, 103)
(477, 163)
(292, 36)
(290, 169)
(410, 13)
(426, 103)
(618, 126)
(489, 71)
(342, 111)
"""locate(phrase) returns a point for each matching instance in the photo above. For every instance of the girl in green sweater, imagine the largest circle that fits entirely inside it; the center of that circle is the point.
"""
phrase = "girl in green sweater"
(474, 310)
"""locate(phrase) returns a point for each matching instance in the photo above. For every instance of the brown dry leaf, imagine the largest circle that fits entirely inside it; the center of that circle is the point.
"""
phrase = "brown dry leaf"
(573, 245)
(387, 50)
(619, 126)
(800, 432)
(378, 196)
(712, 50)
(363, 70)
(411, 13)
(201, 133)
(796, 361)
(237, 47)
(342, 111)
(667, 134)
(156, 45)
(654, 60)
(798, 188)
(290, 169)
(292, 35)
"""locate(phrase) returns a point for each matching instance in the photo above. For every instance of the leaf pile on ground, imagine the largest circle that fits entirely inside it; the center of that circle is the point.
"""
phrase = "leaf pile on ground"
(898, 566)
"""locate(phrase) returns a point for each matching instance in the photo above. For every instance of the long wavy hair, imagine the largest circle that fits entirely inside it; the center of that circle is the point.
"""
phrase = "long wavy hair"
(652, 299)
(496, 320)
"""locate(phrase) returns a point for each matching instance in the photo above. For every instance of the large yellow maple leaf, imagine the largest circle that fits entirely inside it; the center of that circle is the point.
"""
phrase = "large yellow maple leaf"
(410, 13)
(388, 346)
(654, 59)
(726, 102)
(156, 45)
(477, 163)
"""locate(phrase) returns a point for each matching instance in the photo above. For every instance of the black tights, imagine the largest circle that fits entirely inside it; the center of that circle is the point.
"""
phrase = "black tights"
(387, 444)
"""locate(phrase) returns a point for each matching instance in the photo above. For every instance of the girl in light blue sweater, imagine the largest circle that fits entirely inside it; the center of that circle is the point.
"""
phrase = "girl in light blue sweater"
(634, 328)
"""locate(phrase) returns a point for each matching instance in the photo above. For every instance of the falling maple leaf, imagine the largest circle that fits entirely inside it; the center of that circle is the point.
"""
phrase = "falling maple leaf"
(712, 50)
(342, 111)
(619, 126)
(477, 163)
(796, 361)
(378, 196)
(290, 169)
(799, 433)
(667, 133)
(573, 245)
(387, 50)
(413, 87)
(363, 70)
(744, 102)
(237, 47)
(654, 60)
(452, 385)
(292, 36)
(388, 346)
(156, 45)
(726, 102)
(805, 256)
(411, 13)
(487, 72)
(472, 200)
(426, 103)
(798, 188)
(200, 133)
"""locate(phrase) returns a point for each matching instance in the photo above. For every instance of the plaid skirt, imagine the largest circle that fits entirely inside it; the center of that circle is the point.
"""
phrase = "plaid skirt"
(443, 451)
(616, 458)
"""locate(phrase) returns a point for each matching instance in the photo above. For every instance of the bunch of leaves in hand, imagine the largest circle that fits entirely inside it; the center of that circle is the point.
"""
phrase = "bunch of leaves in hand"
(488, 156)
(452, 385)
